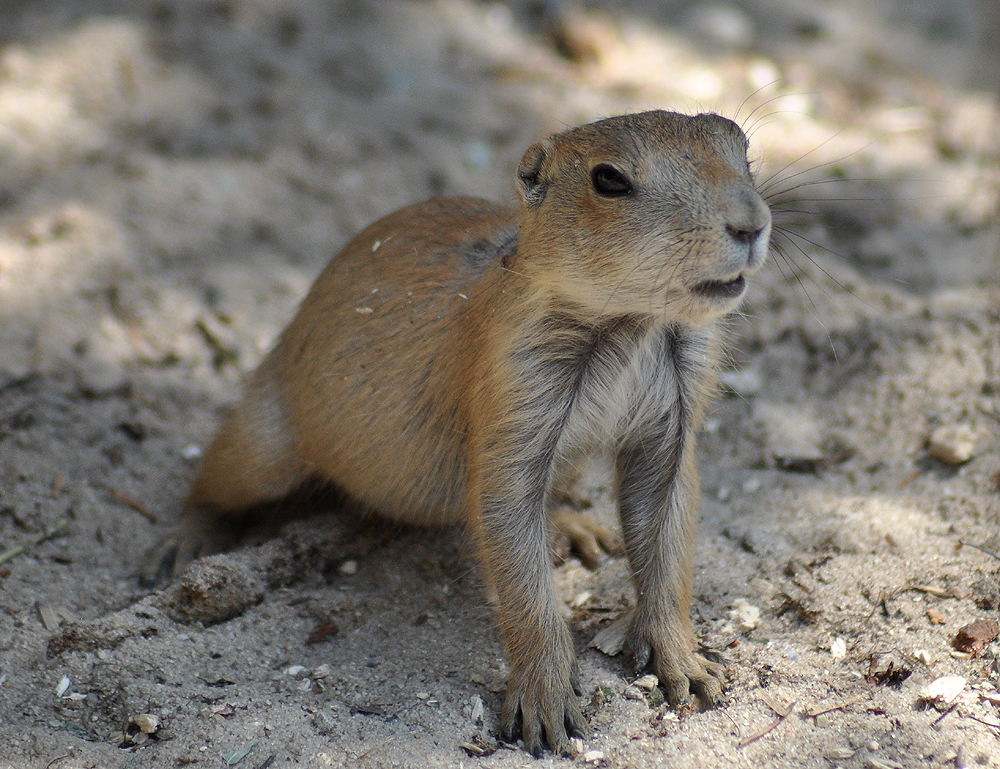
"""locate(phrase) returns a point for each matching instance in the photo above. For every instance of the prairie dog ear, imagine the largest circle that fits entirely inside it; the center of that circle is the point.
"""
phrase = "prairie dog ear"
(530, 183)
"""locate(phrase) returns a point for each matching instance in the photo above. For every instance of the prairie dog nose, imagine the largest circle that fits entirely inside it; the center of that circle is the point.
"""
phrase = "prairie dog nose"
(748, 222)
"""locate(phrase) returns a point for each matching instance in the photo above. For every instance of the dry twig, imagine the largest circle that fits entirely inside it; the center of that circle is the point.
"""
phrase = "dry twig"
(818, 711)
(134, 503)
(768, 729)
(982, 549)
(16, 550)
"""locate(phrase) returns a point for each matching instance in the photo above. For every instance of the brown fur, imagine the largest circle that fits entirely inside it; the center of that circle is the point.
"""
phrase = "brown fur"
(452, 359)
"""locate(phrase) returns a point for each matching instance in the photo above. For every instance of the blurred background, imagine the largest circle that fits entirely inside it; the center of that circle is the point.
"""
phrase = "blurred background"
(169, 168)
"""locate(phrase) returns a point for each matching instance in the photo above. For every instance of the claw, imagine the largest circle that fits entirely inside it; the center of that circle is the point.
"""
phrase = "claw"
(639, 653)
(543, 710)
(158, 563)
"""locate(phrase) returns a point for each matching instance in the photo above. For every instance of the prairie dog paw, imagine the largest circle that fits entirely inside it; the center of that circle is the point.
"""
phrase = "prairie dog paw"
(541, 706)
(681, 670)
(587, 538)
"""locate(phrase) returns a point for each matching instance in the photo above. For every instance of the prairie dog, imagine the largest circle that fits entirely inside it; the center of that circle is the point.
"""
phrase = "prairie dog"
(453, 357)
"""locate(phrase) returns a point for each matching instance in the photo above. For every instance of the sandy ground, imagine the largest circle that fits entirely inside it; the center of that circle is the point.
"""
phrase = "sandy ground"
(173, 174)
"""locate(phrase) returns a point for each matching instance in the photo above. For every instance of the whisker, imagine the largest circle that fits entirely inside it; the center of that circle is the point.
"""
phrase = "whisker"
(789, 234)
(748, 97)
(778, 176)
(775, 193)
(779, 172)
(777, 250)
(881, 199)
(815, 309)
(763, 120)
(778, 211)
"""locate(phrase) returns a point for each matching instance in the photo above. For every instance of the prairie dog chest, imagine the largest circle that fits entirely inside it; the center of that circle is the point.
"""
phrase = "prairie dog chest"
(637, 382)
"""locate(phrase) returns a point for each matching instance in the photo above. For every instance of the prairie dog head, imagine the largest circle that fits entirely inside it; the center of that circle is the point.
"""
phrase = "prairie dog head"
(654, 213)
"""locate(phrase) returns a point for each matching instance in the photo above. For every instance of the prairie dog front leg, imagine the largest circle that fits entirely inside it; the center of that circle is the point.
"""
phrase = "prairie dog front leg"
(658, 504)
(510, 487)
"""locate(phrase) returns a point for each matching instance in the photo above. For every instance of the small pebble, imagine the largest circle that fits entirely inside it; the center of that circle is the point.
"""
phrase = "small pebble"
(478, 709)
(191, 452)
(632, 693)
(744, 615)
(296, 671)
(593, 756)
(838, 649)
(953, 444)
(786, 648)
(750, 485)
(793, 435)
(348, 568)
(322, 671)
(647, 682)
(975, 636)
(147, 722)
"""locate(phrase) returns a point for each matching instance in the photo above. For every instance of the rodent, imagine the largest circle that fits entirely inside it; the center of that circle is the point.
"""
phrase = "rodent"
(453, 358)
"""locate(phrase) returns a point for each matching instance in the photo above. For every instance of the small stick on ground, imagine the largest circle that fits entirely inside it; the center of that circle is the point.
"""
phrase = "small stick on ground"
(736, 726)
(985, 723)
(910, 478)
(941, 717)
(818, 711)
(134, 503)
(766, 730)
(982, 549)
(937, 592)
(12, 552)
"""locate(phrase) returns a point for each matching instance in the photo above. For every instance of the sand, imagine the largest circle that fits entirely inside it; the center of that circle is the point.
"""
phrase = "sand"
(174, 173)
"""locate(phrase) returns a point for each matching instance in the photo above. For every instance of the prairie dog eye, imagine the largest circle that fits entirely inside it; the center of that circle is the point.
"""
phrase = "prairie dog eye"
(609, 182)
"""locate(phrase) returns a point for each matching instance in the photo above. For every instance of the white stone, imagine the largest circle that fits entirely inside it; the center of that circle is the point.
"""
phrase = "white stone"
(943, 690)
(744, 615)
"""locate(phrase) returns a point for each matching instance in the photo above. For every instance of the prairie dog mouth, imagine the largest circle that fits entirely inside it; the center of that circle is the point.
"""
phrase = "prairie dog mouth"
(721, 289)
